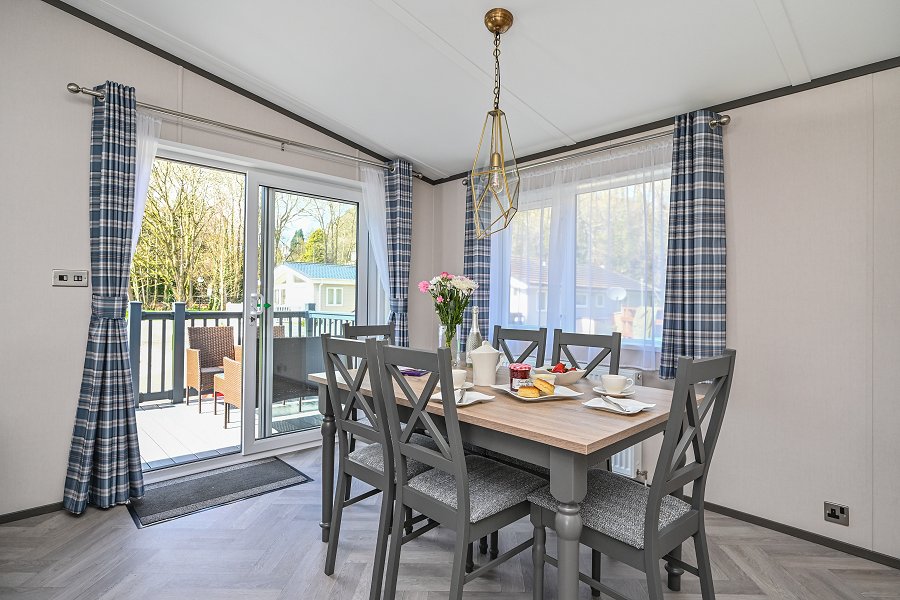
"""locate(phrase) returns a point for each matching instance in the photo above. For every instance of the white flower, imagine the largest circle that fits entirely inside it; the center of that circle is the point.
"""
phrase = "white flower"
(463, 284)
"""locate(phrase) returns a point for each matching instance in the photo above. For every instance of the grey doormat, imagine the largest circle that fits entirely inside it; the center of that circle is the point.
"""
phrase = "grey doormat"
(297, 424)
(182, 496)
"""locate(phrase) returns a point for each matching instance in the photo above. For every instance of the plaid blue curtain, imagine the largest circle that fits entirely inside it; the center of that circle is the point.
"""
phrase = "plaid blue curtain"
(398, 192)
(104, 460)
(477, 267)
(694, 323)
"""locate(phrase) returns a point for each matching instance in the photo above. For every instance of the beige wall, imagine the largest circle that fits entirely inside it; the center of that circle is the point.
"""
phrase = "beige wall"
(44, 195)
(813, 192)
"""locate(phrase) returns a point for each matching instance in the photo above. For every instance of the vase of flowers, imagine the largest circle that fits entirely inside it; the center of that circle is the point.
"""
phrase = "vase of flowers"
(451, 295)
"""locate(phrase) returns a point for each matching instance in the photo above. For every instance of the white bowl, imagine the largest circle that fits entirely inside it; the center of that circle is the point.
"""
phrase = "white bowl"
(567, 378)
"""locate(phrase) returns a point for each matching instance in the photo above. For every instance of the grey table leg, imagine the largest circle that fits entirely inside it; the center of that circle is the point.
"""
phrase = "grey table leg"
(568, 484)
(328, 430)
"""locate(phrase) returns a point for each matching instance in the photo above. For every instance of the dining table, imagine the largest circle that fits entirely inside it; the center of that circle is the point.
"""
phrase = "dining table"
(561, 435)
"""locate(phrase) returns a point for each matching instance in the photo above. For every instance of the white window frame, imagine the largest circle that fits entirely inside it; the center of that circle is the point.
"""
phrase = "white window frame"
(332, 292)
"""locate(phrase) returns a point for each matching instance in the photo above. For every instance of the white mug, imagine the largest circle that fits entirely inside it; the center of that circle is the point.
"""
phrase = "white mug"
(616, 383)
(459, 378)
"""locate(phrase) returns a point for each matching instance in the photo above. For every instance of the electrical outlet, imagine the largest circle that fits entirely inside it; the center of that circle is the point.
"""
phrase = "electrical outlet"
(69, 278)
(837, 513)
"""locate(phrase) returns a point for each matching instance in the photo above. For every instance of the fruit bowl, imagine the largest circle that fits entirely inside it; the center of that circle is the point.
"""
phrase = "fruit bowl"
(567, 378)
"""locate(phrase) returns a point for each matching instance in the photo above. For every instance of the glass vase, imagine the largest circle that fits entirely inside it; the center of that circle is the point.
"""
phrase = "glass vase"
(448, 337)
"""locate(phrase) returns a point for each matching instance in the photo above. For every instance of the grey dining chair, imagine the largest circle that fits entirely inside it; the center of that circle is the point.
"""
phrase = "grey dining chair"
(640, 525)
(537, 345)
(372, 463)
(356, 332)
(609, 345)
(469, 493)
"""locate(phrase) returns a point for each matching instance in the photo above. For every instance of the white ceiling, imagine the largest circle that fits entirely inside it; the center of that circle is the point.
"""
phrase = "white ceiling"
(413, 78)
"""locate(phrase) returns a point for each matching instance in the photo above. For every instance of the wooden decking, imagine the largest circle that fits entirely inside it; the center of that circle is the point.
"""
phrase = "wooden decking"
(172, 434)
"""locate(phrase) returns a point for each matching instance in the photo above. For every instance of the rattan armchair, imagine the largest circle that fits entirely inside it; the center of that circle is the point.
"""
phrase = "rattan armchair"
(208, 348)
(228, 384)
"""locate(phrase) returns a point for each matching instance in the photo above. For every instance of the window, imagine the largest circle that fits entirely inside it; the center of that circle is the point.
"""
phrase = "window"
(334, 296)
(587, 250)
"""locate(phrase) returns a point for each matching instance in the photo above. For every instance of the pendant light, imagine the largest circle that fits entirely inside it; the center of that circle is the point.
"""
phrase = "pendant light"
(495, 175)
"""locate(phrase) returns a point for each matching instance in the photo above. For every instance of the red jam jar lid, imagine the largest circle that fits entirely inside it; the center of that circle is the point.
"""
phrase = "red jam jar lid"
(519, 367)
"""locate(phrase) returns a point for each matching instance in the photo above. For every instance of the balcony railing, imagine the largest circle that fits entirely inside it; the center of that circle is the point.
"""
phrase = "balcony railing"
(156, 341)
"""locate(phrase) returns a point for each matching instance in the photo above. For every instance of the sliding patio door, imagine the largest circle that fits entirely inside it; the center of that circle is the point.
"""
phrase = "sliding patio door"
(301, 281)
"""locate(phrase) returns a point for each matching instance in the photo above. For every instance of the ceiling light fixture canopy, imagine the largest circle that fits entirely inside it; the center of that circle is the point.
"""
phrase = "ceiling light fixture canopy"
(495, 175)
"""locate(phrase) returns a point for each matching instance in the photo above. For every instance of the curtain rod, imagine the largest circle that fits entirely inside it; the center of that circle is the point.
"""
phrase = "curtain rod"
(720, 122)
(78, 89)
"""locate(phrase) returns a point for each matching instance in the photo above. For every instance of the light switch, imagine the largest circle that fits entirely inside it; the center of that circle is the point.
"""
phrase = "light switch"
(69, 278)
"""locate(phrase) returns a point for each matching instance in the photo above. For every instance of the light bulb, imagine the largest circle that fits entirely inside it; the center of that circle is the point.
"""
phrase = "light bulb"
(496, 164)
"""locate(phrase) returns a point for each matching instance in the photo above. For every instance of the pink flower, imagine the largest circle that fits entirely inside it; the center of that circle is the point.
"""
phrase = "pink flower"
(446, 275)
(423, 286)
(440, 299)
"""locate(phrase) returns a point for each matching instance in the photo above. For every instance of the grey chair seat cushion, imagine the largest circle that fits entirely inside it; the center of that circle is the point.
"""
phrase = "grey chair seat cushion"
(615, 506)
(493, 486)
(211, 370)
(372, 456)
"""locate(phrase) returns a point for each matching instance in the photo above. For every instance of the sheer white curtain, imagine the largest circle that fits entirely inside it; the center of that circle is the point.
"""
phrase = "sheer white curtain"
(148, 128)
(373, 207)
(587, 250)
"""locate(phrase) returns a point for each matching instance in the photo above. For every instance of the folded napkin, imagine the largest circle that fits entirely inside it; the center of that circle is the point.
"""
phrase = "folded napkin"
(631, 406)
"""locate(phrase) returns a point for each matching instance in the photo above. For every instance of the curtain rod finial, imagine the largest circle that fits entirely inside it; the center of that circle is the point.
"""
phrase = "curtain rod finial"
(74, 88)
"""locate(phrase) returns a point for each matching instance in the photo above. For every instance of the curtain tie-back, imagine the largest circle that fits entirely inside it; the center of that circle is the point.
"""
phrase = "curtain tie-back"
(399, 305)
(109, 307)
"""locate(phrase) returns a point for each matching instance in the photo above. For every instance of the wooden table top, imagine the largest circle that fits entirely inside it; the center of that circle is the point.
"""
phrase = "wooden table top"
(562, 423)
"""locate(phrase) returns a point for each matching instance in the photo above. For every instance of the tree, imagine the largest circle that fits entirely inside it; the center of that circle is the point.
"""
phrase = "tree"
(314, 251)
(298, 242)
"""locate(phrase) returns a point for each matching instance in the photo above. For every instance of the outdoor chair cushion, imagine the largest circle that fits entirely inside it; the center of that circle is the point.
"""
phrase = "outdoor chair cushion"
(616, 506)
(493, 487)
(211, 370)
(372, 456)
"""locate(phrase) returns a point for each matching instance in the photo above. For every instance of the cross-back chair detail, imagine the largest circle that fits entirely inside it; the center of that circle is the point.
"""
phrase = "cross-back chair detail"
(609, 345)
(538, 345)
(449, 455)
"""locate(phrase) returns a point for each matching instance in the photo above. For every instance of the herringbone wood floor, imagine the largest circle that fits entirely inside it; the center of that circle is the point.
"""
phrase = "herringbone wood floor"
(268, 548)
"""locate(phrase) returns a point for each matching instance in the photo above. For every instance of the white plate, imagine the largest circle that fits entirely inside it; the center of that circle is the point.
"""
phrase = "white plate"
(559, 393)
(470, 398)
(633, 406)
(623, 394)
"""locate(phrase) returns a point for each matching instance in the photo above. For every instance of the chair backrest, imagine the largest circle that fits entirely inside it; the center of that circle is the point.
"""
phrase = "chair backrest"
(336, 352)
(214, 344)
(538, 345)
(355, 332)
(608, 345)
(277, 331)
(686, 451)
(449, 456)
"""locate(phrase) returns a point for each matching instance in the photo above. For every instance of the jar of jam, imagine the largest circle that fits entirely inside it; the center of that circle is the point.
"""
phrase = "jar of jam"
(519, 375)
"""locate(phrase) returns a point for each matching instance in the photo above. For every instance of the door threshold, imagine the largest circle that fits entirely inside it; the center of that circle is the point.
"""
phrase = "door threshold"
(215, 462)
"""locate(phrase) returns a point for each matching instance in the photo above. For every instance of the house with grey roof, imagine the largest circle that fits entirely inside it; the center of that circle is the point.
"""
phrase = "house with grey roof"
(329, 287)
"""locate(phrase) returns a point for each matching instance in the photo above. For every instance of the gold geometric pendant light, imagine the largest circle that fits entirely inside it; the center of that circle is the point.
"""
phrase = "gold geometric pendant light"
(495, 175)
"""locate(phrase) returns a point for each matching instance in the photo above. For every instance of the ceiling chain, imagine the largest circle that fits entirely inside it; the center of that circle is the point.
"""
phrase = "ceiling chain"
(497, 70)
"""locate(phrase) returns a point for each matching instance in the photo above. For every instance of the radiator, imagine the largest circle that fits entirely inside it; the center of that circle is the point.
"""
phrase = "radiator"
(626, 462)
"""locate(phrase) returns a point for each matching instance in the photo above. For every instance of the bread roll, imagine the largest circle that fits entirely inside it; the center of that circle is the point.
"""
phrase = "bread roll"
(529, 391)
(544, 386)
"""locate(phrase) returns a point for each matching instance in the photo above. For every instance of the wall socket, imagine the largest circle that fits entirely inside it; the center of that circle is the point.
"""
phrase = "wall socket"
(837, 513)
(69, 278)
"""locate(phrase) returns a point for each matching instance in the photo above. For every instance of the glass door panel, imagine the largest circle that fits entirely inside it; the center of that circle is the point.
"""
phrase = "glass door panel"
(307, 287)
